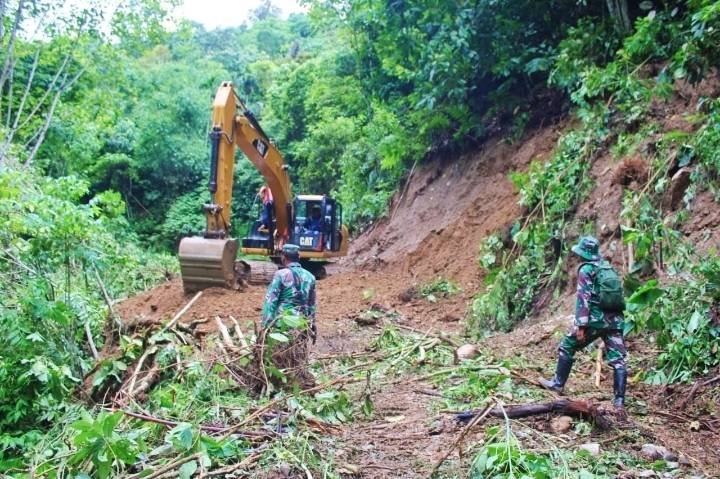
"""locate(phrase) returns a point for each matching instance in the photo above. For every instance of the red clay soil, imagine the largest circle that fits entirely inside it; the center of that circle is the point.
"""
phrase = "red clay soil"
(434, 229)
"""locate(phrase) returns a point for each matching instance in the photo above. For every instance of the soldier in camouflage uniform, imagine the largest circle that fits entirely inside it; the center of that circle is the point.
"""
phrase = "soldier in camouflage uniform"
(592, 323)
(289, 298)
(292, 291)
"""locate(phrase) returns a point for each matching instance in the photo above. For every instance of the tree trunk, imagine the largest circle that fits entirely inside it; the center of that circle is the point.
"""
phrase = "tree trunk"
(618, 10)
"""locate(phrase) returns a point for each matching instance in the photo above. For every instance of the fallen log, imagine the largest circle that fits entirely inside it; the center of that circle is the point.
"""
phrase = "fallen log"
(603, 417)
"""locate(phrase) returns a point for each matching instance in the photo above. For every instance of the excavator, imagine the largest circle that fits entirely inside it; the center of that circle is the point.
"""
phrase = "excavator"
(211, 259)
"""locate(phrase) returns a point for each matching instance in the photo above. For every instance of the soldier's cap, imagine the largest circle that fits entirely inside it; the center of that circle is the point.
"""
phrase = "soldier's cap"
(291, 250)
(587, 248)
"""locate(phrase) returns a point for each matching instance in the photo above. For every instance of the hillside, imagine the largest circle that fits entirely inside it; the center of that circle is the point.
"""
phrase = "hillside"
(447, 207)
(471, 144)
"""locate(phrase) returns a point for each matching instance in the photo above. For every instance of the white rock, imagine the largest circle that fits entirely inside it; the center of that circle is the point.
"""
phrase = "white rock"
(592, 447)
(653, 452)
(467, 351)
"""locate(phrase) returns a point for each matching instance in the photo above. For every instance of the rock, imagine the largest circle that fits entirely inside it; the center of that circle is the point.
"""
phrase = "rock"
(366, 319)
(652, 452)
(647, 473)
(672, 464)
(561, 424)
(467, 351)
(683, 460)
(678, 184)
(450, 318)
(591, 447)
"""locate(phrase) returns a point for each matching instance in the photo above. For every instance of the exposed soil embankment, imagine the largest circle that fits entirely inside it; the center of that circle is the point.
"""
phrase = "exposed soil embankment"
(437, 220)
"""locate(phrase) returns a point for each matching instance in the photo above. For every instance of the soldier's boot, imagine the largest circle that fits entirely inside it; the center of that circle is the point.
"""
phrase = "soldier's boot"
(619, 385)
(562, 371)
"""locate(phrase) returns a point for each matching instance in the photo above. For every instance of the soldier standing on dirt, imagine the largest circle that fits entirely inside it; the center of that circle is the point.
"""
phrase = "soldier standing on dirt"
(593, 321)
(290, 298)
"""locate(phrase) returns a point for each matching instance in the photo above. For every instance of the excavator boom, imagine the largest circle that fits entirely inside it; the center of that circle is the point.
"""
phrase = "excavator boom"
(209, 260)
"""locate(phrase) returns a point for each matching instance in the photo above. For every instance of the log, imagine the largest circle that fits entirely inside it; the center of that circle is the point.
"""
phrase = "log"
(604, 418)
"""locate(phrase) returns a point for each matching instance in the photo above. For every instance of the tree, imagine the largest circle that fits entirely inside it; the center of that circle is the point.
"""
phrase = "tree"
(266, 10)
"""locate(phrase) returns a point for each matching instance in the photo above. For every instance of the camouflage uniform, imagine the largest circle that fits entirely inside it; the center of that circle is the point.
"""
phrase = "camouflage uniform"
(595, 323)
(292, 291)
(598, 324)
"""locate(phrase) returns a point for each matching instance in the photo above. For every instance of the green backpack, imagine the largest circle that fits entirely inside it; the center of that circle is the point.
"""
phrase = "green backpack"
(608, 288)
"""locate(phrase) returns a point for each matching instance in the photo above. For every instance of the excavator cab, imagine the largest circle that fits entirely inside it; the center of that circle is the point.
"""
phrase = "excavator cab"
(317, 224)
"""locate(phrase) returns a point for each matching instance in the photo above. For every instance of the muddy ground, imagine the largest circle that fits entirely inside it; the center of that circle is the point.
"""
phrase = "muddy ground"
(433, 228)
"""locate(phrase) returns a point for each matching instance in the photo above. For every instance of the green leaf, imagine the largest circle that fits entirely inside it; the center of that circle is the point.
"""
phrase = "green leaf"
(188, 469)
(279, 337)
(694, 322)
(181, 436)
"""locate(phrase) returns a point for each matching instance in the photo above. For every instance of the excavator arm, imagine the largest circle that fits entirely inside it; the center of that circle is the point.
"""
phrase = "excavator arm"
(235, 126)
(209, 260)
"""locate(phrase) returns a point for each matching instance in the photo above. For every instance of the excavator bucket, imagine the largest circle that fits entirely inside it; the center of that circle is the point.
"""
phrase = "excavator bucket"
(205, 263)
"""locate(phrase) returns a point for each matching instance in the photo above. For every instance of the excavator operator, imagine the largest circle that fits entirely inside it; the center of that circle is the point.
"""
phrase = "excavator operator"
(266, 197)
(315, 221)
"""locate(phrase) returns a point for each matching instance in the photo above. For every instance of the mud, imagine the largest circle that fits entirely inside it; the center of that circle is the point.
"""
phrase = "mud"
(434, 228)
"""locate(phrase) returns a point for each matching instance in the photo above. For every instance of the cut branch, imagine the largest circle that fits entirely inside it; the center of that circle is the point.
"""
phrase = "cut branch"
(604, 418)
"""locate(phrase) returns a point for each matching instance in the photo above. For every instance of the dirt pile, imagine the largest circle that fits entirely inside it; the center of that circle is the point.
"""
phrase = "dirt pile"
(437, 220)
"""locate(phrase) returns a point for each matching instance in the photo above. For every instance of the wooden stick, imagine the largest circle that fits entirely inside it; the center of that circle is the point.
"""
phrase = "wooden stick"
(181, 312)
(108, 301)
(225, 334)
(151, 350)
(442, 336)
(598, 365)
(168, 467)
(342, 379)
(239, 333)
(252, 458)
(88, 333)
(476, 420)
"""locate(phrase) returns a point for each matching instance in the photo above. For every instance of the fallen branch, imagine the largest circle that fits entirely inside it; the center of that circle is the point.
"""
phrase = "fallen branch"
(604, 418)
(442, 336)
(252, 458)
(342, 379)
(479, 416)
(238, 332)
(225, 334)
(108, 301)
(91, 343)
(180, 313)
(168, 467)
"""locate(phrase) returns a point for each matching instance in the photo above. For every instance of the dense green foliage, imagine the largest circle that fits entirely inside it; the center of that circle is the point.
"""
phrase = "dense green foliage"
(104, 163)
(53, 249)
(614, 94)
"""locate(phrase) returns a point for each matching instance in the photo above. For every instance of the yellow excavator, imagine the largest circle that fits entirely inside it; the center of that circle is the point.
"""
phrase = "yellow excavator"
(210, 260)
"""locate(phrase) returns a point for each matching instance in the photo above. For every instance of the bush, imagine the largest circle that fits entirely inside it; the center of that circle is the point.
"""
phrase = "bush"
(51, 248)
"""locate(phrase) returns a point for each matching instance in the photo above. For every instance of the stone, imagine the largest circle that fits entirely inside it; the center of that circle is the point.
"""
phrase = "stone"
(561, 424)
(591, 447)
(467, 351)
(653, 452)
(678, 184)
